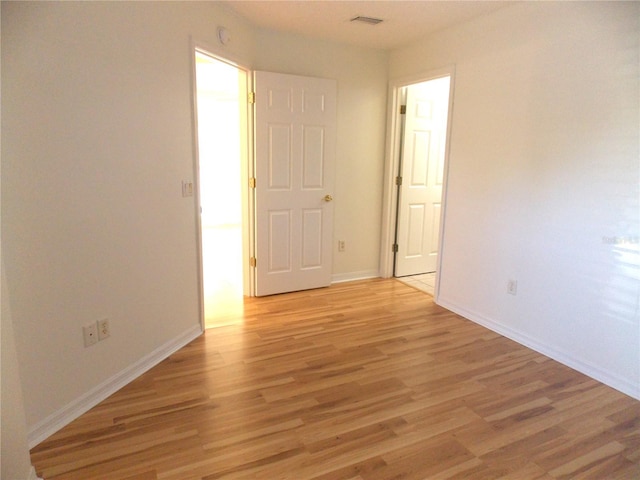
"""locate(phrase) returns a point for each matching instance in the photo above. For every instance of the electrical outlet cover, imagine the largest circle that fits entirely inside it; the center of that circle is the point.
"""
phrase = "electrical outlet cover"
(104, 330)
(90, 333)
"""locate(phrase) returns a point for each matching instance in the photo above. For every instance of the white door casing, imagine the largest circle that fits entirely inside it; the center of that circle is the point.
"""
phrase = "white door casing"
(422, 172)
(295, 135)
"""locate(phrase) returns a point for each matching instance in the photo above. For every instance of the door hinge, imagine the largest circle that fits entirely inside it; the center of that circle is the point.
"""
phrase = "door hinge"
(394, 248)
(398, 180)
(252, 97)
(252, 182)
(253, 262)
(403, 109)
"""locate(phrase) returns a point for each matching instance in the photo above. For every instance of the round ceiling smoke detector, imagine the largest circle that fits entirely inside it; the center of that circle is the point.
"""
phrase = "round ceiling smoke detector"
(224, 36)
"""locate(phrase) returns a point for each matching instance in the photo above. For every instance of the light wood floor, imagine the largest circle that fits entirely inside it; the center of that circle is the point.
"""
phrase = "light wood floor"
(360, 381)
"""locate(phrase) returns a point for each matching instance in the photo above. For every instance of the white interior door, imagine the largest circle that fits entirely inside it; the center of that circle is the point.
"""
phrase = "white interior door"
(422, 172)
(295, 131)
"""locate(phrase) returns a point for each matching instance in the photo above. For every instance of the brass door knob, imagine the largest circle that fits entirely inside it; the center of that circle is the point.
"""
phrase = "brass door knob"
(328, 198)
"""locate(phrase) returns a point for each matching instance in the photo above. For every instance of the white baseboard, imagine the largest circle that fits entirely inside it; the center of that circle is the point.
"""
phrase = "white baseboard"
(621, 384)
(352, 276)
(73, 410)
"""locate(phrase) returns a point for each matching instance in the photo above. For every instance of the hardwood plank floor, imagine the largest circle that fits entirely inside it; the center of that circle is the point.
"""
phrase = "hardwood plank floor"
(366, 380)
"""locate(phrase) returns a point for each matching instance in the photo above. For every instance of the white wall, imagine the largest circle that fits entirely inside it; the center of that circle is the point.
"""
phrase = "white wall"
(362, 95)
(543, 173)
(96, 138)
(15, 461)
(14, 451)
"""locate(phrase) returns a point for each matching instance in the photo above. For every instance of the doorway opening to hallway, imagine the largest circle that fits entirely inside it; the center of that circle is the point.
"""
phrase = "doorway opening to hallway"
(421, 174)
(220, 87)
(415, 179)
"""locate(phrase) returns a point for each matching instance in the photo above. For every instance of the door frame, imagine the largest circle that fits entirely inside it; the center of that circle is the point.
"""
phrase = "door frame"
(247, 170)
(392, 161)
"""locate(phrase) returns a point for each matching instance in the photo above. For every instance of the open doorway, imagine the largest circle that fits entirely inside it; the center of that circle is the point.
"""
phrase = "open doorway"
(416, 174)
(421, 174)
(220, 96)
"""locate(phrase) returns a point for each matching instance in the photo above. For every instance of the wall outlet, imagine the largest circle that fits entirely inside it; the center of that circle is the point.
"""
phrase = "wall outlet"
(104, 329)
(341, 245)
(512, 287)
(90, 333)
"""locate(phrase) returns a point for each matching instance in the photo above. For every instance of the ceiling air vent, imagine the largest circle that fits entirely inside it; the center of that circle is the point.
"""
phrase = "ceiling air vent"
(369, 20)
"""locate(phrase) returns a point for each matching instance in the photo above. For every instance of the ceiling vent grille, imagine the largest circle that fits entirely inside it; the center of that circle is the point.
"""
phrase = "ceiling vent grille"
(368, 20)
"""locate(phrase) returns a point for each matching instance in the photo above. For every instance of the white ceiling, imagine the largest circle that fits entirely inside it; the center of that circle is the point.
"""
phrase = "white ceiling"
(404, 21)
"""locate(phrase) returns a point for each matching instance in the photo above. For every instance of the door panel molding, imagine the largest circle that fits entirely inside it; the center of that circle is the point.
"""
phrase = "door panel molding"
(299, 170)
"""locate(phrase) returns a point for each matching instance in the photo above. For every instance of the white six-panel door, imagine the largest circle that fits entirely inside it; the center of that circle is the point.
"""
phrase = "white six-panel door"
(422, 172)
(295, 131)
